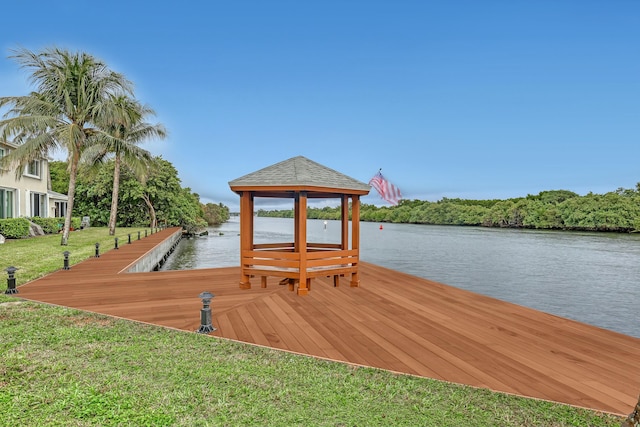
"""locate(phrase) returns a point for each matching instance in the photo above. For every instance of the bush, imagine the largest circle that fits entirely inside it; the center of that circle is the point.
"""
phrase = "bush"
(14, 228)
(18, 228)
(75, 222)
(49, 225)
(54, 225)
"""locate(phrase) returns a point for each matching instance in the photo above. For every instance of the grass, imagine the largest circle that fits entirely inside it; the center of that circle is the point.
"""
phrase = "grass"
(65, 367)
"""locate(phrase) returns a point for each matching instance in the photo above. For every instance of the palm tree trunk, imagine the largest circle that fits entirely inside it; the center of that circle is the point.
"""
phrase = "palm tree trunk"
(73, 173)
(152, 211)
(114, 196)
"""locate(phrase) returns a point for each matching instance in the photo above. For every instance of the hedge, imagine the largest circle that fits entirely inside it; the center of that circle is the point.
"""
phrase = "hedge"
(49, 225)
(14, 228)
(18, 228)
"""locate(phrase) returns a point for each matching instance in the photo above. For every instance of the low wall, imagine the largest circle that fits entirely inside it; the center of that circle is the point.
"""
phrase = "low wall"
(153, 259)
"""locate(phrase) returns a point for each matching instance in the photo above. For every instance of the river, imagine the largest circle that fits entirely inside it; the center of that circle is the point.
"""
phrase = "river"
(589, 277)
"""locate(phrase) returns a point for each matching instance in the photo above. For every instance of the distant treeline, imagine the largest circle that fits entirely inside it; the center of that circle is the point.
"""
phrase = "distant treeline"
(617, 211)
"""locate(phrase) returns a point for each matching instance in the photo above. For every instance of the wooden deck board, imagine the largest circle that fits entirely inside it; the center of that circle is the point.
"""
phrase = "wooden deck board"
(392, 321)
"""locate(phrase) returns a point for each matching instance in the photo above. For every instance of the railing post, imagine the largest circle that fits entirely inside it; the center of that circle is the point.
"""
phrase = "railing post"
(129, 235)
(116, 243)
(97, 250)
(11, 280)
(138, 235)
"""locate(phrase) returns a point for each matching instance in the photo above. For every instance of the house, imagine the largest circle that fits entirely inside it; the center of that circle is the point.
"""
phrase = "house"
(30, 195)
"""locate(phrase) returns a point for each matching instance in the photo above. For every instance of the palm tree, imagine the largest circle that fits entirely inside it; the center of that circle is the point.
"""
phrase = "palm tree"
(71, 94)
(124, 123)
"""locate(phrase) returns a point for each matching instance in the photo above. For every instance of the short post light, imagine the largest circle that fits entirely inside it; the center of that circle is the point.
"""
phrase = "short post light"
(11, 280)
(97, 250)
(66, 260)
(138, 235)
(145, 232)
(116, 243)
(205, 313)
(129, 242)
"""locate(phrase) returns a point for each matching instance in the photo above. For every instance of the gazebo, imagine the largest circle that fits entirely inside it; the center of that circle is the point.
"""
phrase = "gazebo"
(299, 261)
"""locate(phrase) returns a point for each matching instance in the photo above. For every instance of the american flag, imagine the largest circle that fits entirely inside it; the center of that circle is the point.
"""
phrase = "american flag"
(387, 190)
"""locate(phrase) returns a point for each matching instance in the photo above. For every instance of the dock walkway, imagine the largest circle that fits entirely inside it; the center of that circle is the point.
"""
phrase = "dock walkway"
(393, 321)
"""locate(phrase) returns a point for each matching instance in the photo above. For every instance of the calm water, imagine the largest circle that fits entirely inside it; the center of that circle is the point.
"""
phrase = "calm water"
(589, 277)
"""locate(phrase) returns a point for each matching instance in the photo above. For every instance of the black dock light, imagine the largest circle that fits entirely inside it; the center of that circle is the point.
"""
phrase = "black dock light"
(11, 280)
(145, 232)
(66, 260)
(97, 250)
(116, 240)
(138, 235)
(205, 313)
(129, 238)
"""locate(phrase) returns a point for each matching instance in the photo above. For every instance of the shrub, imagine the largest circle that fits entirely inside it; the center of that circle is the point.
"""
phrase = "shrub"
(75, 222)
(14, 228)
(49, 225)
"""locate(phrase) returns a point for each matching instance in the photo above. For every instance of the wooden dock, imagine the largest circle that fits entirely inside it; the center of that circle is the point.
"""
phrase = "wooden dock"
(393, 321)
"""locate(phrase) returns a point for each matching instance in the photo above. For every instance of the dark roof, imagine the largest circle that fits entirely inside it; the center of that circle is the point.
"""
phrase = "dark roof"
(299, 173)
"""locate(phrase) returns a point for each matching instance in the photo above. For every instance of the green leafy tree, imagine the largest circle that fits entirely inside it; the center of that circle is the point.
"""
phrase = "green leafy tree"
(167, 202)
(215, 214)
(159, 198)
(72, 90)
(126, 127)
(59, 176)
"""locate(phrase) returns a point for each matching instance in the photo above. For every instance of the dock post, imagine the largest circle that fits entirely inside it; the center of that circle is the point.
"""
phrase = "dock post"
(97, 250)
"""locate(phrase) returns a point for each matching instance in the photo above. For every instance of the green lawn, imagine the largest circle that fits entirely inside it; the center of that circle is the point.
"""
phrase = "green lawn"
(66, 367)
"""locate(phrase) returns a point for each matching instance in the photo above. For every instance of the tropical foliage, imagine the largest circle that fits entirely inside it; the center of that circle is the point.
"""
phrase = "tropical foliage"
(126, 128)
(215, 214)
(88, 111)
(160, 197)
(72, 98)
(617, 211)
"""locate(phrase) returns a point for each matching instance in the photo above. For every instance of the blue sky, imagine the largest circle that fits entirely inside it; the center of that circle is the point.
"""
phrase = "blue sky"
(471, 99)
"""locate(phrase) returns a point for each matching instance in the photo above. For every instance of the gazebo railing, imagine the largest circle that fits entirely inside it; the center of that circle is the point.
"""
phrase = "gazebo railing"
(290, 246)
(280, 260)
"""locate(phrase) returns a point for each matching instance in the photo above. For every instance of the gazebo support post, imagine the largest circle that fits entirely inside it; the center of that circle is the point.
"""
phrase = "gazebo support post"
(246, 234)
(301, 241)
(355, 236)
(344, 219)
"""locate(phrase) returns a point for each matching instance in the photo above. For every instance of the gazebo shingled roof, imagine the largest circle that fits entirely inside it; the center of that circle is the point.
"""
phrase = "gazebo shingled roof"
(299, 173)
(299, 178)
